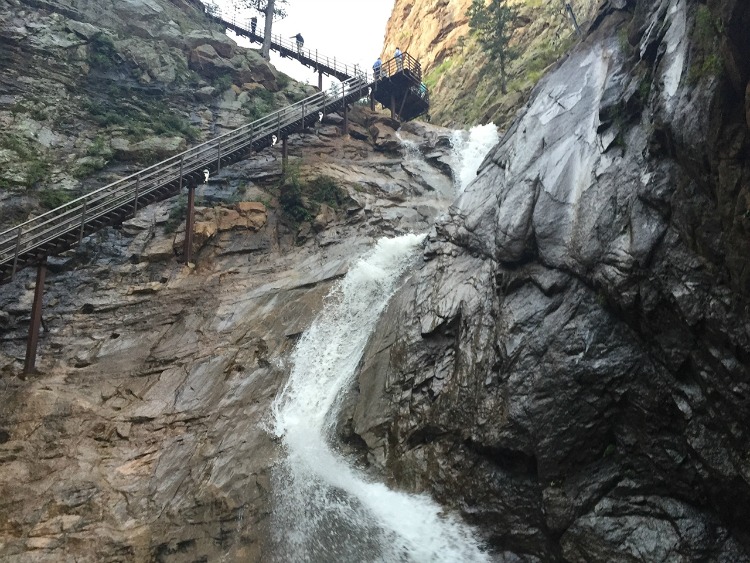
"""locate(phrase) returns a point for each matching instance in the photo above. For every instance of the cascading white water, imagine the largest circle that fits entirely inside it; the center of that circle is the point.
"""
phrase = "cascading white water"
(325, 509)
(411, 148)
(470, 150)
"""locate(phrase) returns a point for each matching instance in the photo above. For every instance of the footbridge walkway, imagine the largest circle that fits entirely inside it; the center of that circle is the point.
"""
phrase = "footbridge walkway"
(398, 87)
(49, 234)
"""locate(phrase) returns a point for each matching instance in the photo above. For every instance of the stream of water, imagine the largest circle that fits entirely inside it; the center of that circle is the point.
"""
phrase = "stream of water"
(470, 149)
(325, 509)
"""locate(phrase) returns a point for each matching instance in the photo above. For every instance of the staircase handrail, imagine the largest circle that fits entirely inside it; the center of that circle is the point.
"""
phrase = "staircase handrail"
(277, 41)
(78, 212)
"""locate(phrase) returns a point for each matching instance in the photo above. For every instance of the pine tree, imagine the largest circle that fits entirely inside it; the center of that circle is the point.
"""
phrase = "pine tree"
(494, 23)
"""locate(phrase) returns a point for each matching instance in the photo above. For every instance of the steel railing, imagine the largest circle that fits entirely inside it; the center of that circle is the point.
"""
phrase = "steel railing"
(77, 217)
(329, 65)
(73, 217)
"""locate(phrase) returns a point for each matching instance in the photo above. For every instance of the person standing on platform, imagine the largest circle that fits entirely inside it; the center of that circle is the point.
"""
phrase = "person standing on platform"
(253, 25)
(300, 42)
(376, 68)
(399, 60)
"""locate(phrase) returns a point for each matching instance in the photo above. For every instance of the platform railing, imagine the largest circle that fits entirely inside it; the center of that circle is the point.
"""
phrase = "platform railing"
(279, 43)
(393, 66)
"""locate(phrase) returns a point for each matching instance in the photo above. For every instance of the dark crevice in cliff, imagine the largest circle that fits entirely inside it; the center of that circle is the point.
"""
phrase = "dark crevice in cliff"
(511, 461)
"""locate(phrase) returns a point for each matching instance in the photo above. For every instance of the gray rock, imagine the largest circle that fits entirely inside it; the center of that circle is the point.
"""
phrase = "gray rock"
(550, 370)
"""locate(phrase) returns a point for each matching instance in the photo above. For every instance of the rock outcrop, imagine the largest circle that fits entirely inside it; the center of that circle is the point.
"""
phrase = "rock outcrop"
(142, 438)
(461, 77)
(570, 368)
(90, 90)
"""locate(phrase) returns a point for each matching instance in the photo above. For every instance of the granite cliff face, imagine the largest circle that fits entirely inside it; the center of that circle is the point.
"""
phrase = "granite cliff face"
(570, 368)
(93, 90)
(464, 89)
(143, 438)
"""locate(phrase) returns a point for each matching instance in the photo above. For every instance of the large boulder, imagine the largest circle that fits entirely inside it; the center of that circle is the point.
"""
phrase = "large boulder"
(138, 9)
(152, 148)
(222, 44)
(207, 62)
(255, 214)
(384, 137)
(569, 367)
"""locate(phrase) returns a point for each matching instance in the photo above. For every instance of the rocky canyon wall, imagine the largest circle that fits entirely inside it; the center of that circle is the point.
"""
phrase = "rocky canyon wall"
(570, 368)
(567, 368)
(141, 437)
(94, 90)
(462, 79)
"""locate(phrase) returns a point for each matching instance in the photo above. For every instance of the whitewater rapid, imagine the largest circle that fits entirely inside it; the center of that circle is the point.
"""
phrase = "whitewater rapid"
(325, 509)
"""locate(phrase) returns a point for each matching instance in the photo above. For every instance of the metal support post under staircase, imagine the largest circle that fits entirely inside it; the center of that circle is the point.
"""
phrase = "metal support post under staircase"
(346, 111)
(284, 156)
(137, 189)
(189, 224)
(403, 103)
(29, 366)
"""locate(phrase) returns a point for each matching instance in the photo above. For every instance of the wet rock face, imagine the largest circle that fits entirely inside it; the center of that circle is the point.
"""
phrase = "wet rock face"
(94, 88)
(142, 438)
(570, 366)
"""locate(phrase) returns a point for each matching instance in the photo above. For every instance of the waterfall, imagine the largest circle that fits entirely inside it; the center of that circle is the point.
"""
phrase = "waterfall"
(325, 509)
(411, 148)
(470, 150)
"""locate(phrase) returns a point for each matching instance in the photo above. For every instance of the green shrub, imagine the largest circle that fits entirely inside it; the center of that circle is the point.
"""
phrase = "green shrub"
(102, 52)
(52, 198)
(177, 214)
(324, 190)
(261, 104)
(223, 82)
(141, 118)
(15, 144)
(99, 147)
(707, 31)
(300, 201)
(171, 124)
(88, 167)
(290, 200)
(35, 171)
(432, 78)
(283, 81)
(709, 65)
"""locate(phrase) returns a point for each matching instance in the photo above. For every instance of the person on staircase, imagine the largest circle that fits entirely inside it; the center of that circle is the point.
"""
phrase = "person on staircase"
(376, 68)
(300, 42)
(399, 60)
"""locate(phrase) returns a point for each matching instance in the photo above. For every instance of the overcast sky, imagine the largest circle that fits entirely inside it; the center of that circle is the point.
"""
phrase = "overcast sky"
(350, 30)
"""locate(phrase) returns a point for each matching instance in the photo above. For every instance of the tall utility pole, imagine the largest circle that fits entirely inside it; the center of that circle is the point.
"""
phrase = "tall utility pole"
(265, 50)
(270, 9)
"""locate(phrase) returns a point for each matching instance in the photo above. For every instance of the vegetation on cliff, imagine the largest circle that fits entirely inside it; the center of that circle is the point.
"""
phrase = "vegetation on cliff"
(88, 96)
(452, 56)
